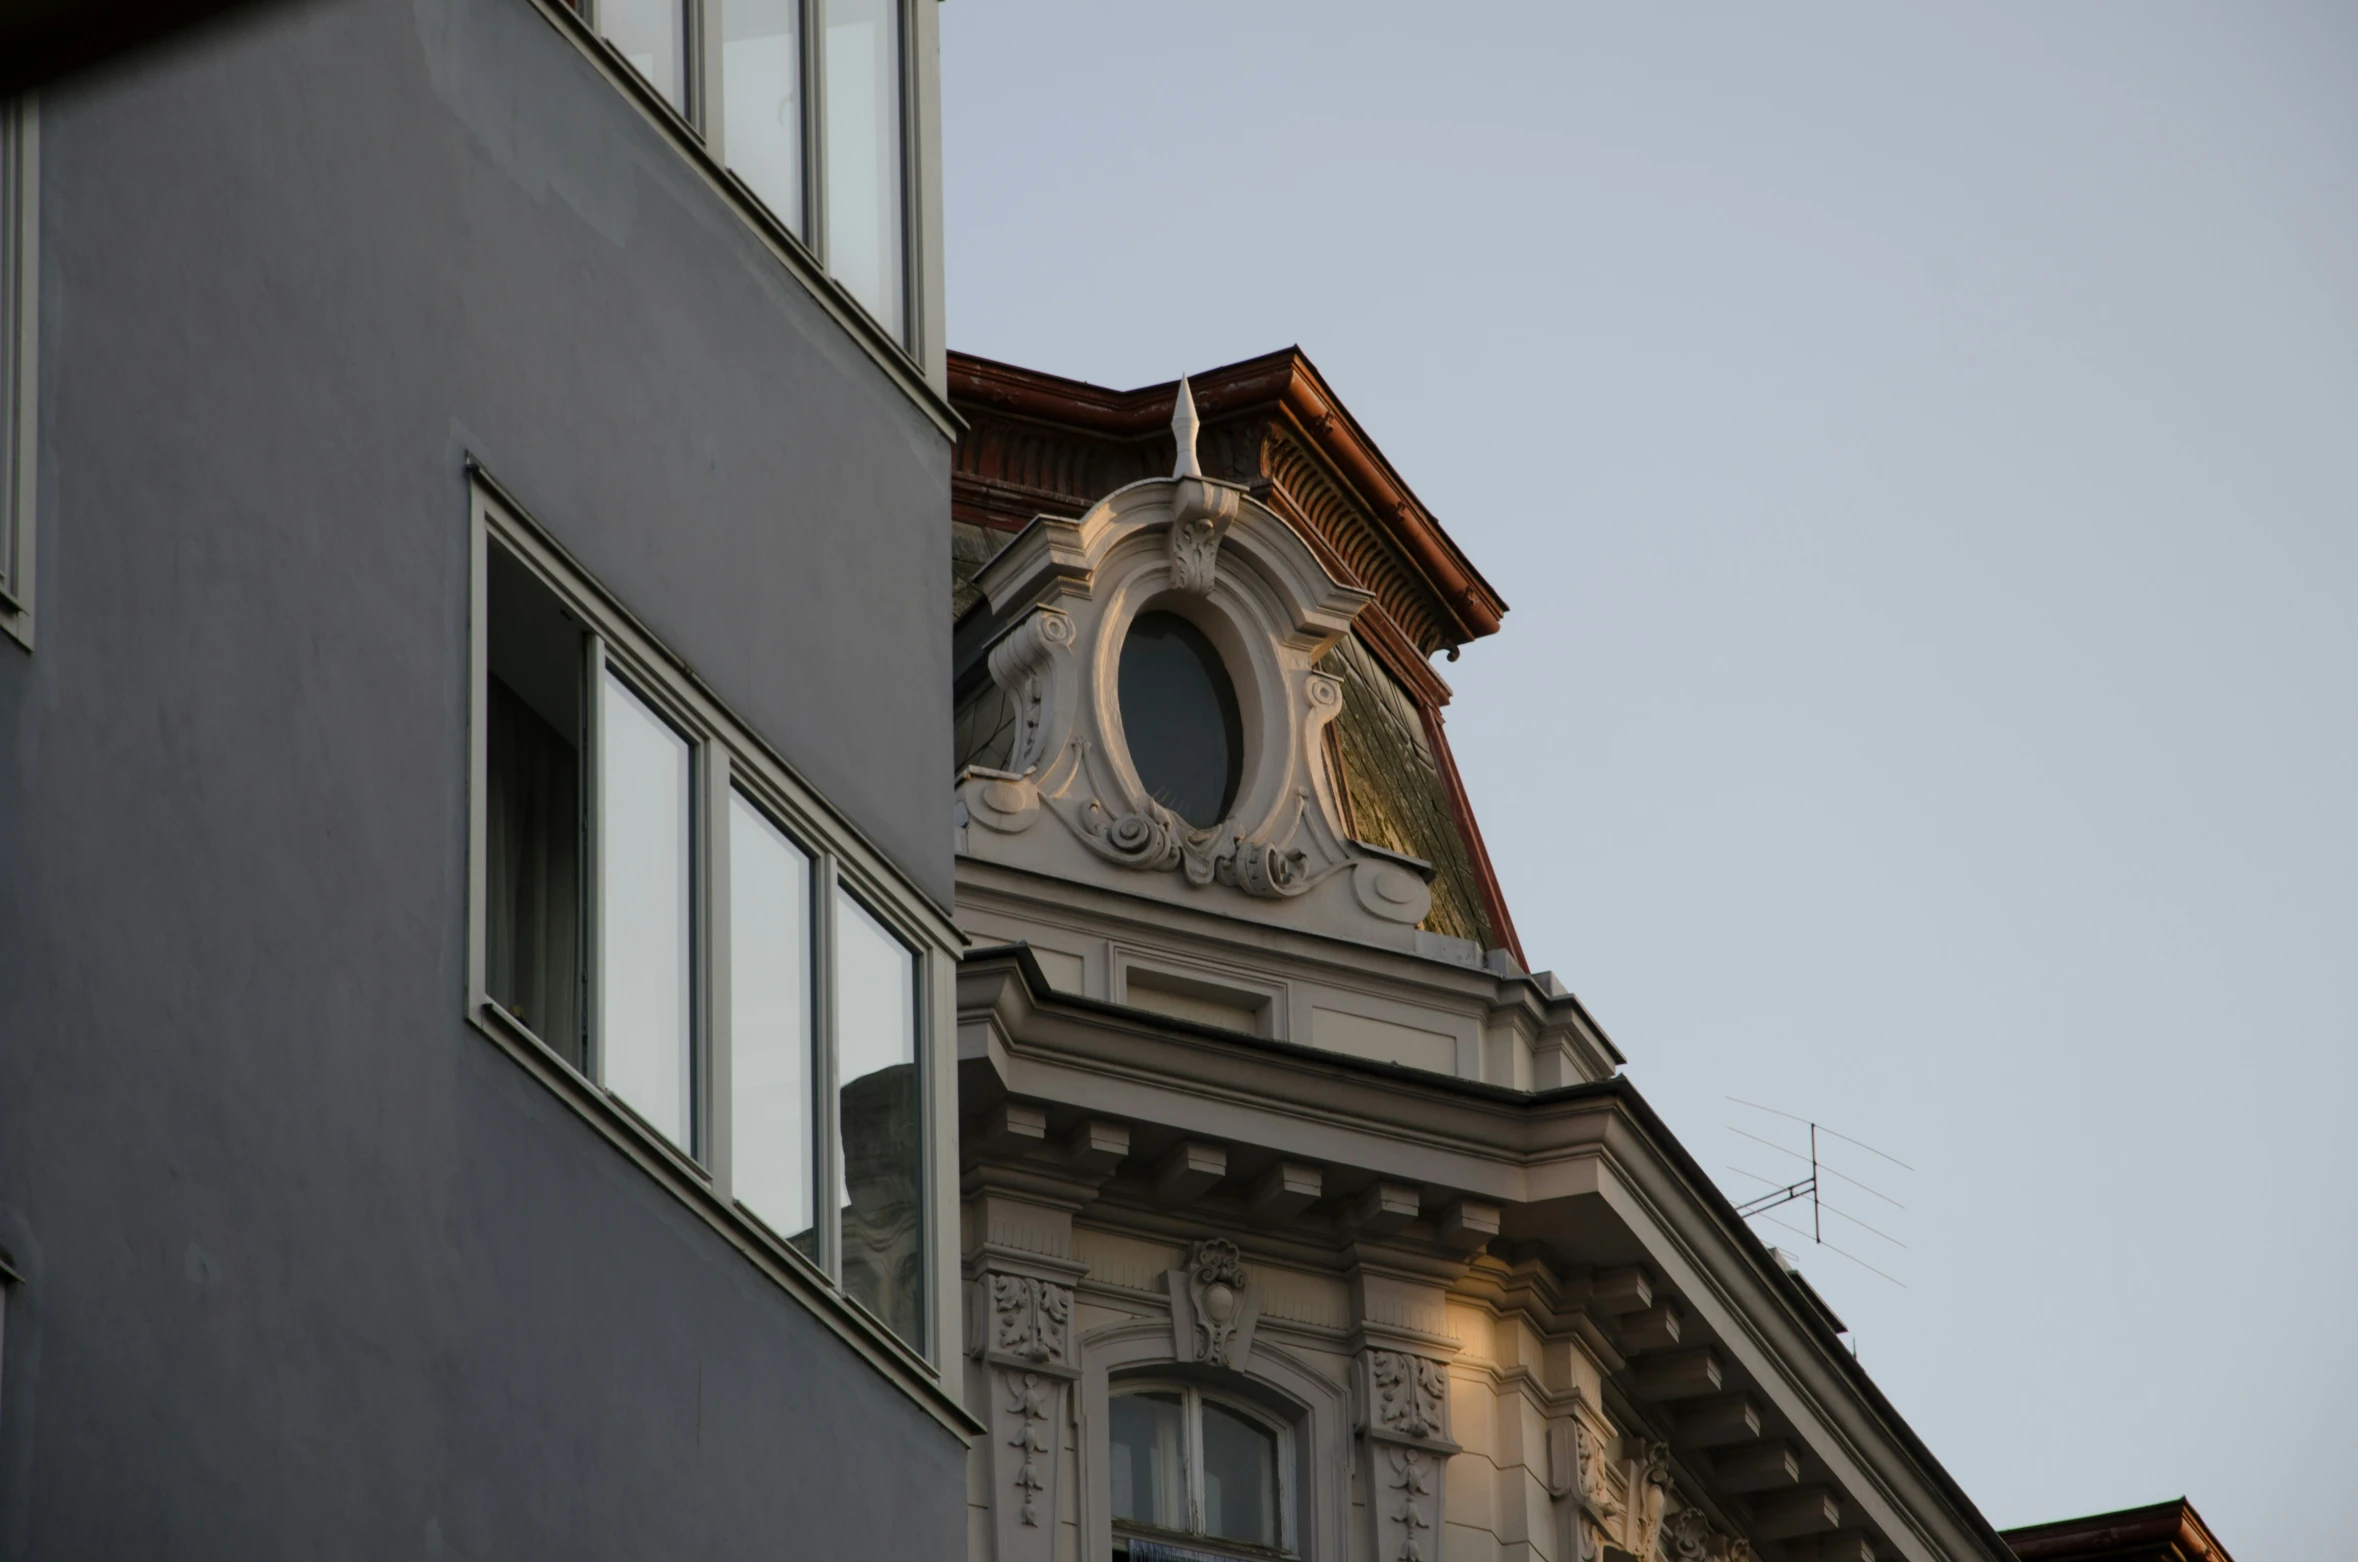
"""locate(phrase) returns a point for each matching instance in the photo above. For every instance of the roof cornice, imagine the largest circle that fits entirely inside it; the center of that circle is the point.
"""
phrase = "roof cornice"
(1285, 381)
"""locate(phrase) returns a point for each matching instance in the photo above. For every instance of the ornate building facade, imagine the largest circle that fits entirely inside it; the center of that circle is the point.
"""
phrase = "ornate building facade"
(1301, 1217)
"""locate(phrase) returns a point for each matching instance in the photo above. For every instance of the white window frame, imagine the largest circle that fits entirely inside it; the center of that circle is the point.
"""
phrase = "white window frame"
(729, 756)
(20, 315)
(1193, 1395)
(704, 116)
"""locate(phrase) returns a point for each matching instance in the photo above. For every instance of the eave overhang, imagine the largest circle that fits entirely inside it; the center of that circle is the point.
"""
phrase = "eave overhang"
(1285, 383)
(1587, 1171)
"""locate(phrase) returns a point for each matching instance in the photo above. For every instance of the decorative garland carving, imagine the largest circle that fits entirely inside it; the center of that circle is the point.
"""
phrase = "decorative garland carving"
(1412, 1479)
(1028, 1399)
(1215, 1288)
(1030, 1318)
(1411, 1392)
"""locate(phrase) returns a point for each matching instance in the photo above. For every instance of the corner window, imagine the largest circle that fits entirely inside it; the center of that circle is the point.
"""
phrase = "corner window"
(20, 221)
(806, 102)
(692, 936)
(1180, 718)
(1188, 1463)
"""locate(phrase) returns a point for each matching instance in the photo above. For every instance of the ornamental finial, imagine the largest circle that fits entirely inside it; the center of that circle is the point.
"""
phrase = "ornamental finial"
(1184, 424)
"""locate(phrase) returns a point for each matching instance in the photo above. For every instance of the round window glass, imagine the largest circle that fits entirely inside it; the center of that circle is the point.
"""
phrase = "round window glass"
(1179, 714)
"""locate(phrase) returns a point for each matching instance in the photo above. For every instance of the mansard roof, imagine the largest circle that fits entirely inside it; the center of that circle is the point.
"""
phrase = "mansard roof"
(1040, 445)
(2164, 1532)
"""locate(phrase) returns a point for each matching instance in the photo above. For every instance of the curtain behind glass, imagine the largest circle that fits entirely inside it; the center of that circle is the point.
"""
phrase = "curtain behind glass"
(646, 822)
(534, 850)
(1144, 1434)
(881, 1156)
(770, 1156)
(862, 59)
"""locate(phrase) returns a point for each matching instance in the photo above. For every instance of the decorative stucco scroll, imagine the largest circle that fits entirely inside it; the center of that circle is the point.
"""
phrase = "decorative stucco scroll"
(1216, 1285)
(1213, 1306)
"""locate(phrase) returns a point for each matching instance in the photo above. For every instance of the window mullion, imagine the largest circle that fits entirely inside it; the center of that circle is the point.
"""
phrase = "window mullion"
(814, 126)
(593, 869)
(1191, 1460)
(827, 1192)
(718, 1075)
(706, 88)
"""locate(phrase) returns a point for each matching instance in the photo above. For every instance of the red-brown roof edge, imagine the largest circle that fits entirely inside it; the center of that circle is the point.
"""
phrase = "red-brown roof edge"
(1289, 378)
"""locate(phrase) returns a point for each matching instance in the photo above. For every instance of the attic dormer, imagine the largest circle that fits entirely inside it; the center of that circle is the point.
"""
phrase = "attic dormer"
(1327, 581)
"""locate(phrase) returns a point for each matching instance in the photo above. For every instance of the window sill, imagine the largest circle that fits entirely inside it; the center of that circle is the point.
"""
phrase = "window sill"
(890, 354)
(692, 1186)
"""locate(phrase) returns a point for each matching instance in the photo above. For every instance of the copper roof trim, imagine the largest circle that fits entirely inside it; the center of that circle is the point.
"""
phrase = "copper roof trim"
(1288, 379)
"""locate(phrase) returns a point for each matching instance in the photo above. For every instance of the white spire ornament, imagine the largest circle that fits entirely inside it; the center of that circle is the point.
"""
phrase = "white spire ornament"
(1200, 507)
(1184, 426)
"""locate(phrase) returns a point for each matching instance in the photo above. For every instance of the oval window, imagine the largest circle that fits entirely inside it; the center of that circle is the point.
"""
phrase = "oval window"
(1179, 714)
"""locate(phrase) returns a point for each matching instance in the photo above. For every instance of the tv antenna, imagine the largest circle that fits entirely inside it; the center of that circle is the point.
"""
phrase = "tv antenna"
(1780, 1195)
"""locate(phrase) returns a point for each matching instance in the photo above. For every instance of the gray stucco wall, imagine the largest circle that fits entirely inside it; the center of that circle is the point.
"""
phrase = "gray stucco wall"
(313, 1268)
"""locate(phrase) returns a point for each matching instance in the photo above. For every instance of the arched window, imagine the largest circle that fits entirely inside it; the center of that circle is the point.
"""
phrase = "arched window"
(1180, 717)
(1193, 1467)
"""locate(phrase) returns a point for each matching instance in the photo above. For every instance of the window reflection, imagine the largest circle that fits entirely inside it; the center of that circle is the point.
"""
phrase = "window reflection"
(1240, 1477)
(770, 1023)
(652, 35)
(645, 837)
(1145, 1433)
(761, 101)
(863, 143)
(1180, 718)
(881, 1159)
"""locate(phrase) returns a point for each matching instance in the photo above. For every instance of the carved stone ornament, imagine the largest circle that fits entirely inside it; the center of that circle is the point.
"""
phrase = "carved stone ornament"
(1692, 1538)
(1031, 1319)
(1064, 594)
(1650, 1493)
(1216, 1287)
(1200, 509)
(1411, 1500)
(1028, 1397)
(1403, 1406)
(1411, 1393)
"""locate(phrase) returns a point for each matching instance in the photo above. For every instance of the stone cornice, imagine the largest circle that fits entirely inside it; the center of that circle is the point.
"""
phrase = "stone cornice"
(1562, 1164)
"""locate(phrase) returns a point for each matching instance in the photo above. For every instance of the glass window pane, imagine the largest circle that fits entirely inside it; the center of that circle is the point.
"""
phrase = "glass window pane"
(1180, 718)
(532, 813)
(1240, 1477)
(1144, 1434)
(761, 100)
(876, 1052)
(863, 145)
(646, 780)
(652, 35)
(770, 1023)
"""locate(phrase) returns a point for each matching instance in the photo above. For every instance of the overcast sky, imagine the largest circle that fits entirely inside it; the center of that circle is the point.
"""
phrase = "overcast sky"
(1921, 457)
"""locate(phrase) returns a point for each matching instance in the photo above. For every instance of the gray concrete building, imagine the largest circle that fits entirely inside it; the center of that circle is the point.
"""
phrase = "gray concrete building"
(474, 878)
